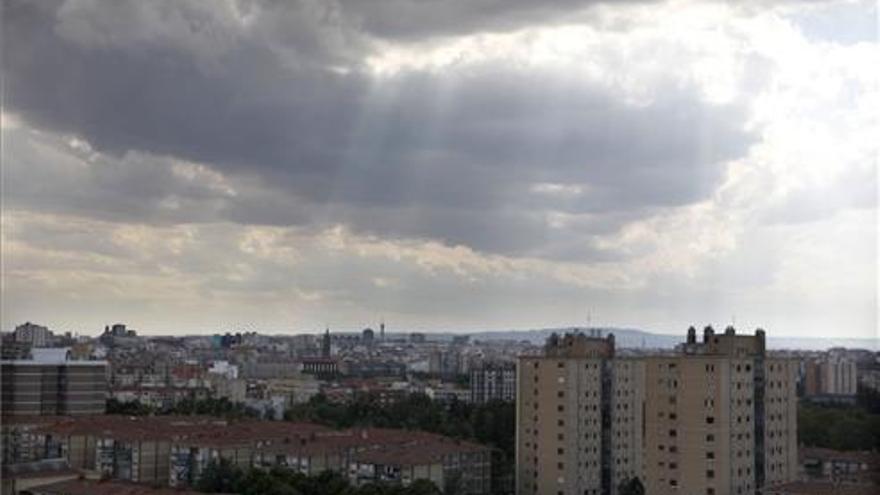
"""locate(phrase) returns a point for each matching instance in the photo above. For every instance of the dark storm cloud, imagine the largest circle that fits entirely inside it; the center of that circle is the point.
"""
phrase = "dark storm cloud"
(411, 20)
(414, 20)
(279, 94)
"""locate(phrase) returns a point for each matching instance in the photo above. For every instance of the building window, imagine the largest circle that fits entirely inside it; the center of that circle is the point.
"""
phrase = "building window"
(710, 420)
(710, 474)
(710, 455)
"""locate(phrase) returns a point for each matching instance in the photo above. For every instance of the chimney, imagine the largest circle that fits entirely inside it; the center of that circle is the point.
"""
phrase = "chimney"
(708, 333)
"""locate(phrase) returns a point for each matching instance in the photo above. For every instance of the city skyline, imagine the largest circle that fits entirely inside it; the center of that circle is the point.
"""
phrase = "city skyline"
(188, 167)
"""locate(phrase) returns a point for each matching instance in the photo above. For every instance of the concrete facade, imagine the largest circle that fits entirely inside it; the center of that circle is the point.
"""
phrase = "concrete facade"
(579, 418)
(716, 417)
(32, 387)
(493, 382)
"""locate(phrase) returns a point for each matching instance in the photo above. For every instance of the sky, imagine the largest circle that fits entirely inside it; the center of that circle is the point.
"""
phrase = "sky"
(201, 167)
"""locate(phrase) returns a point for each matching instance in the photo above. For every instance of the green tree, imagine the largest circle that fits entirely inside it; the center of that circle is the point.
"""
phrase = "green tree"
(219, 476)
(422, 487)
(632, 486)
(838, 427)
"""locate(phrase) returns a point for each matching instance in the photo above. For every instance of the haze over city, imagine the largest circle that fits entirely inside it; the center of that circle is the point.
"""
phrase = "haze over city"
(201, 167)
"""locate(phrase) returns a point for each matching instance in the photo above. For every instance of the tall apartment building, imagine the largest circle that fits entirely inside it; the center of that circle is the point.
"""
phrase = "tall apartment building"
(720, 417)
(33, 334)
(579, 418)
(717, 417)
(830, 376)
(50, 383)
(493, 382)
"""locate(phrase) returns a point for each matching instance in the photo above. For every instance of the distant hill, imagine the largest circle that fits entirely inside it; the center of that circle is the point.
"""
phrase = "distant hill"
(634, 338)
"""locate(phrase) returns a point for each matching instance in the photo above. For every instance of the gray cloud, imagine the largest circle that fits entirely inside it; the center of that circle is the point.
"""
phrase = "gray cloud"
(452, 157)
(408, 20)
(245, 164)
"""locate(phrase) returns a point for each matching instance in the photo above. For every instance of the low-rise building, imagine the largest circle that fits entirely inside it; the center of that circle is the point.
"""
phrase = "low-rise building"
(175, 450)
(24, 478)
(82, 486)
(818, 464)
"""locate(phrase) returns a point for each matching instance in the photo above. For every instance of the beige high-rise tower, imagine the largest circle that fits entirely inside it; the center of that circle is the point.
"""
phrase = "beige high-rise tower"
(717, 417)
(720, 417)
(579, 418)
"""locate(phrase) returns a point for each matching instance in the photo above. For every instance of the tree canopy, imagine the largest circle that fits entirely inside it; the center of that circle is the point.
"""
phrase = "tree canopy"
(492, 424)
(224, 477)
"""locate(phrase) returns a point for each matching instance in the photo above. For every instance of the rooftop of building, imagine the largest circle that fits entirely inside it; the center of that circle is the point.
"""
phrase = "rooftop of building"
(42, 356)
(822, 488)
(194, 430)
(30, 420)
(872, 459)
(105, 487)
(414, 449)
(319, 359)
(579, 345)
(728, 343)
(270, 436)
(38, 469)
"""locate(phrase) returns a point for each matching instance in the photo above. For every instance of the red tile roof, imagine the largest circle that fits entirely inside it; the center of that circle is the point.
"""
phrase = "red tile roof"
(267, 436)
(822, 488)
(104, 487)
(870, 458)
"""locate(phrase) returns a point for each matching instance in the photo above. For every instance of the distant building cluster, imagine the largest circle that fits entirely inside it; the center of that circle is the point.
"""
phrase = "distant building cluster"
(832, 377)
(714, 415)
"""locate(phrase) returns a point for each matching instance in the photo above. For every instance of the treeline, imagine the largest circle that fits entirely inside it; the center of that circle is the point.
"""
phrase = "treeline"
(492, 424)
(221, 407)
(224, 477)
(838, 427)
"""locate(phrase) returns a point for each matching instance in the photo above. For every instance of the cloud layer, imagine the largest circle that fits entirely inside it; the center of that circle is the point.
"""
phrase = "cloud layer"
(623, 156)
